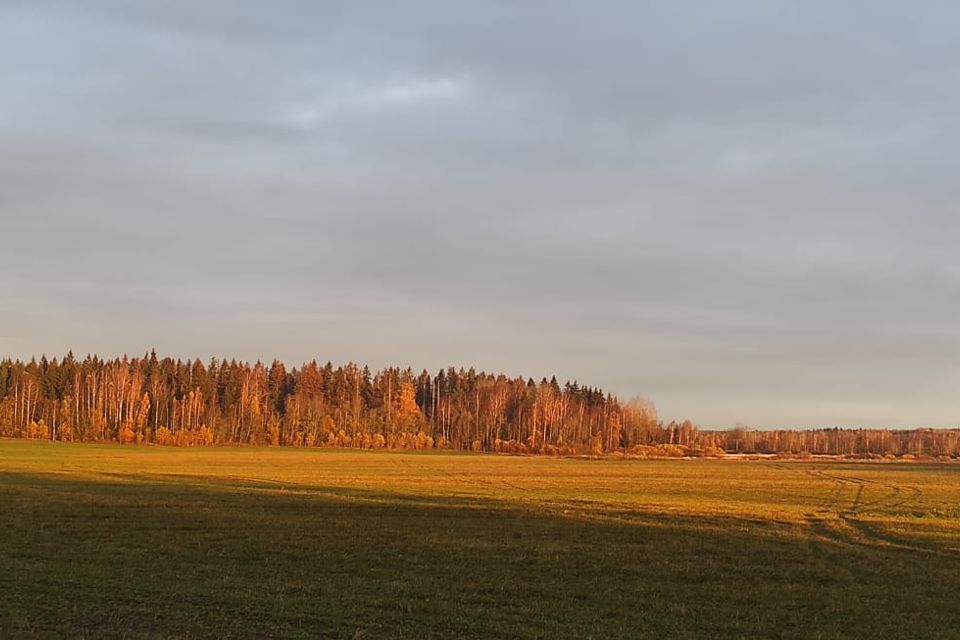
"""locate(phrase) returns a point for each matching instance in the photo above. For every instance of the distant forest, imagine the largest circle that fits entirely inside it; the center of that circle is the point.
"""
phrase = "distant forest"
(189, 403)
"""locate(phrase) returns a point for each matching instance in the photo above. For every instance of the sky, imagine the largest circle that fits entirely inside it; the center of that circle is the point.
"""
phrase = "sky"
(744, 211)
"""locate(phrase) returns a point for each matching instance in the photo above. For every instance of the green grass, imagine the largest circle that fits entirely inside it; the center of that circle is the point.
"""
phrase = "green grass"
(110, 541)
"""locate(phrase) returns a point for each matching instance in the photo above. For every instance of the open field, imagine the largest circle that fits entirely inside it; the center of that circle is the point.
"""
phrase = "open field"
(162, 542)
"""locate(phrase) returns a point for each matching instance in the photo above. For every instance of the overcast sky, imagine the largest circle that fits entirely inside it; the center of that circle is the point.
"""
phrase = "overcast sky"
(746, 211)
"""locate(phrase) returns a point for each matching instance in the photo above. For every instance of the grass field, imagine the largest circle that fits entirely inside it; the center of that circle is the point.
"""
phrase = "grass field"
(135, 542)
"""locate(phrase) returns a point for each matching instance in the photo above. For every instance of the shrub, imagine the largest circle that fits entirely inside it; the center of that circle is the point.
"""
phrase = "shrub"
(164, 437)
(596, 446)
(127, 435)
(203, 436)
(38, 430)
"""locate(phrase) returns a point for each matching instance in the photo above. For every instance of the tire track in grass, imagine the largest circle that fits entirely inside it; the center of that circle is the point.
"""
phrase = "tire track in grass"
(863, 532)
(464, 478)
(893, 499)
(831, 502)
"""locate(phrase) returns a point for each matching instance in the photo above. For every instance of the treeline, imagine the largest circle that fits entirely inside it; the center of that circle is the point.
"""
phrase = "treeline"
(867, 443)
(176, 402)
(167, 401)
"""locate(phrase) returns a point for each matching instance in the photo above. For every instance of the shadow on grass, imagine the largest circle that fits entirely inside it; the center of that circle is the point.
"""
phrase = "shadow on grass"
(187, 556)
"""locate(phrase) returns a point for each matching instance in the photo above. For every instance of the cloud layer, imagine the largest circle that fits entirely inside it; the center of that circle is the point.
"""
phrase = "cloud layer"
(745, 210)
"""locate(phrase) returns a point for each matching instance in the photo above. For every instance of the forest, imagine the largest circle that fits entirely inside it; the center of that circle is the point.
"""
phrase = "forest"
(169, 401)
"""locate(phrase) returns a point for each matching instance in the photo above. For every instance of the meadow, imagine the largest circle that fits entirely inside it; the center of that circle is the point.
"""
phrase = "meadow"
(155, 542)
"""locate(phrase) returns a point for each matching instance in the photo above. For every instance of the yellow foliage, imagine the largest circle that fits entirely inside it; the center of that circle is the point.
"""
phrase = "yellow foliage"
(596, 445)
(65, 432)
(203, 436)
(328, 426)
(164, 437)
(38, 430)
(407, 400)
(422, 441)
(127, 434)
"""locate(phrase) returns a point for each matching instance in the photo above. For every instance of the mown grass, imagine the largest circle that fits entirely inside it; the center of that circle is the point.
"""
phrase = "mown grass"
(109, 541)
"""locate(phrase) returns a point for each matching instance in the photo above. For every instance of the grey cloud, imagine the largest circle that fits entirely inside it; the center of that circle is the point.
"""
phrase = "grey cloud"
(744, 210)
